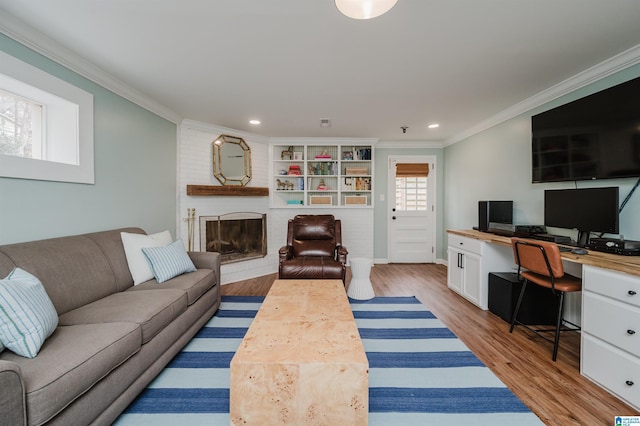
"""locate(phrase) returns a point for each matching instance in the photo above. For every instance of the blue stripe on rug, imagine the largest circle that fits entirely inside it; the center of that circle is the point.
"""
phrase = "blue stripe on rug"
(420, 373)
(404, 300)
(231, 313)
(392, 314)
(448, 400)
(170, 400)
(422, 360)
(213, 332)
(406, 333)
(201, 360)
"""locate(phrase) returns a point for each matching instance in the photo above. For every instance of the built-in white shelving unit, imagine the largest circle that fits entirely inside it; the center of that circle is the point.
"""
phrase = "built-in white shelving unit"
(321, 175)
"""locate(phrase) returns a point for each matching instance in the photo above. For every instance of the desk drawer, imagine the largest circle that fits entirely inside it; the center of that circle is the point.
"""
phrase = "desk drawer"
(614, 322)
(617, 285)
(615, 370)
(469, 244)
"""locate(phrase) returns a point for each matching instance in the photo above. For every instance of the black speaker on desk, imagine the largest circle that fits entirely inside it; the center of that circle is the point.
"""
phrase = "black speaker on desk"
(494, 211)
(539, 305)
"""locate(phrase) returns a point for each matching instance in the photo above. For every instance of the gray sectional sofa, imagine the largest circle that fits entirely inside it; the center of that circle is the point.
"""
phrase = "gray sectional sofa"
(112, 337)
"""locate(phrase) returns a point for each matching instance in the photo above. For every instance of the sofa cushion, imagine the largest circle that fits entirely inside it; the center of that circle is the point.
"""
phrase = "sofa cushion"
(152, 310)
(194, 284)
(169, 261)
(110, 242)
(133, 245)
(27, 316)
(71, 361)
(73, 270)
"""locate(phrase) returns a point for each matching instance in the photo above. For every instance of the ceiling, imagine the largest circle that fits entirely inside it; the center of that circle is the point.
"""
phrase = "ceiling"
(290, 63)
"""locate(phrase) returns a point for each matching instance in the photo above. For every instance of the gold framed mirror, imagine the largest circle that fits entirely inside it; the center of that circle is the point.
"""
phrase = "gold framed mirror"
(231, 160)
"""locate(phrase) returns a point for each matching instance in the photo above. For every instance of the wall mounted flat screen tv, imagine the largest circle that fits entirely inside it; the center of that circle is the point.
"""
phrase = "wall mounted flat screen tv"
(595, 137)
(587, 210)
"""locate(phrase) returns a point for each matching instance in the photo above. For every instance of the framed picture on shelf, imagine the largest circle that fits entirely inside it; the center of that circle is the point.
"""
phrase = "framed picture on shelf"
(347, 155)
(348, 182)
(297, 155)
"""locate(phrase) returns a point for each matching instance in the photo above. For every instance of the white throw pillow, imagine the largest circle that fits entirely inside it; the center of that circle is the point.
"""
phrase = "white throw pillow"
(133, 245)
(169, 261)
(27, 315)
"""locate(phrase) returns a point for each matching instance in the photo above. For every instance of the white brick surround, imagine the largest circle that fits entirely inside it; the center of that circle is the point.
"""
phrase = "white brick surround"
(195, 167)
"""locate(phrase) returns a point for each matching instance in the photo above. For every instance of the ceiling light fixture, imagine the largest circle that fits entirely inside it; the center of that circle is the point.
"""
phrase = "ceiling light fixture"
(433, 126)
(364, 9)
(255, 122)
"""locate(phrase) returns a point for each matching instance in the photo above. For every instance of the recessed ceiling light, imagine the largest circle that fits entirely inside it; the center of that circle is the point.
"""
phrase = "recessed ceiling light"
(433, 126)
(255, 122)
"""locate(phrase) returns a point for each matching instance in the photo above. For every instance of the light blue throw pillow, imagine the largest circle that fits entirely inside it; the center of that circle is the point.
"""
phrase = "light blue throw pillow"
(169, 261)
(27, 315)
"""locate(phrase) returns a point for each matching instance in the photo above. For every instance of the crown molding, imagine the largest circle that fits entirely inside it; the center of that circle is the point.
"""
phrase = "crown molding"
(410, 144)
(321, 140)
(40, 43)
(597, 72)
(213, 128)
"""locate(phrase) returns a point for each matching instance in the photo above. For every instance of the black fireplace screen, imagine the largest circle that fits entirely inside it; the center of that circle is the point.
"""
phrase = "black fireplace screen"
(236, 236)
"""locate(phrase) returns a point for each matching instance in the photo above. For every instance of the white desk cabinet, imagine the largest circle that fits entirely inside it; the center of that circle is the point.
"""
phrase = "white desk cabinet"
(469, 263)
(610, 349)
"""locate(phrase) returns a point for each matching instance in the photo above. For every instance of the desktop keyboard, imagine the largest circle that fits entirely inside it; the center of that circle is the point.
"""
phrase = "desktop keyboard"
(565, 249)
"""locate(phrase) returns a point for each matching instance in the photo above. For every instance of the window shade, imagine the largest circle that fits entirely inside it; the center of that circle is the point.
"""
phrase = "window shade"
(412, 170)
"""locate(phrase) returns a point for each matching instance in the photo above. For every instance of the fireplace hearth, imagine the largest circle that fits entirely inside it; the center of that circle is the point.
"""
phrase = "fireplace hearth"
(236, 236)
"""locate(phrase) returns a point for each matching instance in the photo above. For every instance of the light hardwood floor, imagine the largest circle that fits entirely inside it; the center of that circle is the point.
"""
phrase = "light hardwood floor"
(555, 391)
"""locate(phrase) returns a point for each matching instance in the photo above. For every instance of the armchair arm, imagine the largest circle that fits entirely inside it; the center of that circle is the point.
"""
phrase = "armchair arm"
(284, 253)
(341, 254)
(13, 409)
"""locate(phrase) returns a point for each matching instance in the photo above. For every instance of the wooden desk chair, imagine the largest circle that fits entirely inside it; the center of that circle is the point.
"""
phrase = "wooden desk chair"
(540, 263)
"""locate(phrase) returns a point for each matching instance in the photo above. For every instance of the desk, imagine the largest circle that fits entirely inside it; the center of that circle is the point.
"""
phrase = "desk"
(609, 303)
(615, 262)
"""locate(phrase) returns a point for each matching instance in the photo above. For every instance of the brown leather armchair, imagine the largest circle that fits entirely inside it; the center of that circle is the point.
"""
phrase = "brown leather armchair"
(314, 249)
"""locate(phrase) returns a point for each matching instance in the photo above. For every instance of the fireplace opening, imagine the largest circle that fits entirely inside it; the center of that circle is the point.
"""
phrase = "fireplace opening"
(236, 236)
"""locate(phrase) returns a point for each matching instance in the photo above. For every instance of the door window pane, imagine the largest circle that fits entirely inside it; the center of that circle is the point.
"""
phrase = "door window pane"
(411, 193)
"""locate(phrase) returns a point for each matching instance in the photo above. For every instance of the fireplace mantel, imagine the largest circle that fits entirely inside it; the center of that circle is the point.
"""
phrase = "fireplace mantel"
(238, 191)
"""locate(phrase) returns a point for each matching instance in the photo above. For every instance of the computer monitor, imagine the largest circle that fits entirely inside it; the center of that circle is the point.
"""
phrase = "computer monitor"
(587, 210)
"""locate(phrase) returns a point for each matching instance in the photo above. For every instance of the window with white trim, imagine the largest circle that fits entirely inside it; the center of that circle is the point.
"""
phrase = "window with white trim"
(46, 125)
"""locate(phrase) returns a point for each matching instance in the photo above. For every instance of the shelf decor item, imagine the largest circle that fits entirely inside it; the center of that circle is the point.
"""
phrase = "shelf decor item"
(356, 171)
(294, 170)
(355, 200)
(320, 199)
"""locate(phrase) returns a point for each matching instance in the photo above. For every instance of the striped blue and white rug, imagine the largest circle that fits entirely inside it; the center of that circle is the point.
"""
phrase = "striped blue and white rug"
(420, 373)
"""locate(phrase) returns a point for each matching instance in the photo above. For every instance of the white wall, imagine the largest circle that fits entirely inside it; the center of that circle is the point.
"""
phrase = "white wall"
(495, 164)
(195, 167)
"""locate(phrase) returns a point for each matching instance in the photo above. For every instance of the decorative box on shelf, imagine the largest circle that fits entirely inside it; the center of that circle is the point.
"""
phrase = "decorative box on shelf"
(321, 199)
(355, 200)
(353, 171)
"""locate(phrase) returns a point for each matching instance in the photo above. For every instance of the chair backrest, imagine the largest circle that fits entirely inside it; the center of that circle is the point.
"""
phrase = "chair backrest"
(314, 235)
(540, 257)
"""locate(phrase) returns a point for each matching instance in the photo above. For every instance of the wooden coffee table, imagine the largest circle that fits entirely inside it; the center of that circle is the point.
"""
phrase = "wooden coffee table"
(302, 360)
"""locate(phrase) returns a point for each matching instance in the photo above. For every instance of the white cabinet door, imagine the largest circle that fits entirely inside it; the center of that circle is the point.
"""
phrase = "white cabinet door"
(454, 270)
(472, 282)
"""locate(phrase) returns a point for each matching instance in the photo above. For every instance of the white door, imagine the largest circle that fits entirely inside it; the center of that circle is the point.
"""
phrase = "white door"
(412, 206)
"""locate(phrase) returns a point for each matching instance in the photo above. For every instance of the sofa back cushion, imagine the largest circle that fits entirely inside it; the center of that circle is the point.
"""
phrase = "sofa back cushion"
(111, 244)
(74, 270)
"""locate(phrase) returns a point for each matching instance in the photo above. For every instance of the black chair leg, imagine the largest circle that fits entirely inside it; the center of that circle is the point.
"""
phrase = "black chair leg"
(515, 313)
(558, 326)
